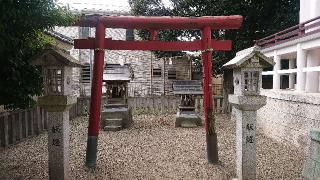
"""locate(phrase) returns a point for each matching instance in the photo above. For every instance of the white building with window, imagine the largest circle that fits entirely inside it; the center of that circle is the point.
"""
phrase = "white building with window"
(296, 52)
(292, 86)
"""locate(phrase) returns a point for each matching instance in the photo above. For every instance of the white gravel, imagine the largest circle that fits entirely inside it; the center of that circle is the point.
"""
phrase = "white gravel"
(151, 149)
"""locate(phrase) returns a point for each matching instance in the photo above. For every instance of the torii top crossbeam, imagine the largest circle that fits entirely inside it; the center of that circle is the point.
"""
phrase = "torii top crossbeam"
(206, 24)
(164, 22)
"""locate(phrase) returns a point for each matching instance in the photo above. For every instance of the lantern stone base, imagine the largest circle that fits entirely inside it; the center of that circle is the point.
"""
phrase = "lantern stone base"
(244, 110)
(116, 118)
(187, 119)
(58, 134)
(311, 169)
(58, 145)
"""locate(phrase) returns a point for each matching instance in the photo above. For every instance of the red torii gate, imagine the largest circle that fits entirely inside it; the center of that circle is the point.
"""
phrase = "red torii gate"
(206, 44)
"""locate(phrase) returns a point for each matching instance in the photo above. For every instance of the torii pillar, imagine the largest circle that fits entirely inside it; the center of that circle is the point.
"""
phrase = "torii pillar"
(211, 136)
(207, 45)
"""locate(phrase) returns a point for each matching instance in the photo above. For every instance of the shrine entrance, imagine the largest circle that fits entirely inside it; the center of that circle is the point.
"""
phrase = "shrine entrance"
(206, 24)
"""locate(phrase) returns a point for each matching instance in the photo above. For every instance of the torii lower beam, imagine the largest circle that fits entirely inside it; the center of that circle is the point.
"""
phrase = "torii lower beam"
(206, 44)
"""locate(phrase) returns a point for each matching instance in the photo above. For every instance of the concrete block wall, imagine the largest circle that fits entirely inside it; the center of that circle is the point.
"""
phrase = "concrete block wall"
(289, 116)
(311, 168)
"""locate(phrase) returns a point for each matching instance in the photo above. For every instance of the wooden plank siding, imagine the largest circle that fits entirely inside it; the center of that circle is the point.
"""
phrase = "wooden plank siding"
(16, 126)
(145, 83)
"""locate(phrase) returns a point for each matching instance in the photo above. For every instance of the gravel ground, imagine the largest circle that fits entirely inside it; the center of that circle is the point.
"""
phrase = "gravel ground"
(151, 149)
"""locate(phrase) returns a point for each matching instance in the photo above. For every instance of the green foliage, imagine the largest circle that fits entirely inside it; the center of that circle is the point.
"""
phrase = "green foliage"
(21, 36)
(261, 18)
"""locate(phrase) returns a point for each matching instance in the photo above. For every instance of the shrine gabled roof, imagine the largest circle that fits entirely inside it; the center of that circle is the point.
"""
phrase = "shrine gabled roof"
(54, 56)
(246, 54)
(180, 87)
(117, 72)
(59, 36)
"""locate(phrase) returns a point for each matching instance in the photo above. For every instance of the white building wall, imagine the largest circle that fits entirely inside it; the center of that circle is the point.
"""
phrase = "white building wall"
(306, 51)
(312, 80)
(309, 9)
(290, 114)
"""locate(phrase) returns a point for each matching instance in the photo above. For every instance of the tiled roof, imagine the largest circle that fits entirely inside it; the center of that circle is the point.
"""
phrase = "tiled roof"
(62, 57)
(244, 55)
(59, 36)
(187, 87)
(116, 72)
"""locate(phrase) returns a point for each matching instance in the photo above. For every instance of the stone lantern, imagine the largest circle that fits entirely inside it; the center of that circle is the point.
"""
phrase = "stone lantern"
(57, 67)
(187, 91)
(247, 79)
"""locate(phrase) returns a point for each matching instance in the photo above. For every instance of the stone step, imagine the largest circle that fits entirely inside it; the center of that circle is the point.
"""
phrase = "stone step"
(114, 122)
(188, 124)
(112, 128)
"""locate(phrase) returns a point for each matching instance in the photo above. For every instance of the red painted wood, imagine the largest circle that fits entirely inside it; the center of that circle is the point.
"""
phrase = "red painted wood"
(289, 34)
(153, 24)
(163, 22)
(96, 88)
(217, 45)
(84, 43)
(153, 35)
(207, 76)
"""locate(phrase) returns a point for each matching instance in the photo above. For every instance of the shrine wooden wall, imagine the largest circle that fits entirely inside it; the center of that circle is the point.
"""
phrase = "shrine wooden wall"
(142, 62)
(145, 83)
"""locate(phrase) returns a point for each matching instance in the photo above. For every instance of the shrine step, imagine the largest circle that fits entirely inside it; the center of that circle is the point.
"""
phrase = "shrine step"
(112, 128)
(114, 122)
(188, 124)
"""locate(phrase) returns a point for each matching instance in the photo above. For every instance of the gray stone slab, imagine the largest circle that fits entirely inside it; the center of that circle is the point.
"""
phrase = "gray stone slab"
(188, 124)
(308, 169)
(314, 150)
(188, 119)
(112, 128)
(121, 109)
(316, 174)
(58, 145)
(123, 113)
(315, 135)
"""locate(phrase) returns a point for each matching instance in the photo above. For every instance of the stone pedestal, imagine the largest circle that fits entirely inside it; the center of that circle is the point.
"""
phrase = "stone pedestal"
(116, 118)
(311, 169)
(187, 119)
(245, 113)
(58, 134)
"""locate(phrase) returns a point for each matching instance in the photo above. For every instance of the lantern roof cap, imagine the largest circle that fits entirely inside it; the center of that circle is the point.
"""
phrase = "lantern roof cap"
(53, 55)
(246, 54)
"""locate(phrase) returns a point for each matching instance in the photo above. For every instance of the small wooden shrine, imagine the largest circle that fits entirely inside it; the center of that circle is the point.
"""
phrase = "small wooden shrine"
(116, 113)
(116, 79)
(187, 90)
